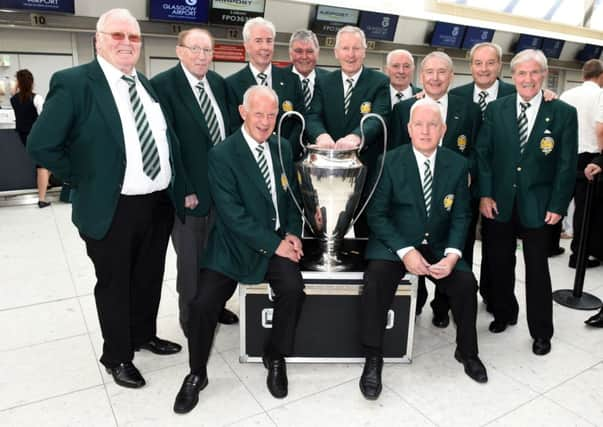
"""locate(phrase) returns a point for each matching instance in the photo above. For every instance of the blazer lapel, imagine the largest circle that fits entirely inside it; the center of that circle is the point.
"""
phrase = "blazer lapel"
(440, 176)
(510, 123)
(188, 98)
(413, 177)
(454, 118)
(220, 96)
(543, 118)
(249, 166)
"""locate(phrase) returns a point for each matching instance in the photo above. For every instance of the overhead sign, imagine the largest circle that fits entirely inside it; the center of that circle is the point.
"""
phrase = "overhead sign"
(328, 20)
(378, 26)
(195, 11)
(229, 53)
(63, 6)
(235, 12)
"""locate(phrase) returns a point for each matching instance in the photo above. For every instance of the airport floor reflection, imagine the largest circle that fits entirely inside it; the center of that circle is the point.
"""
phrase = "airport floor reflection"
(50, 343)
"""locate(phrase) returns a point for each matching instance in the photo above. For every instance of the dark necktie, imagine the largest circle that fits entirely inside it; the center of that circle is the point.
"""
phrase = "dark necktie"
(348, 96)
(481, 101)
(427, 183)
(263, 165)
(399, 96)
(150, 156)
(263, 79)
(209, 113)
(306, 92)
(522, 126)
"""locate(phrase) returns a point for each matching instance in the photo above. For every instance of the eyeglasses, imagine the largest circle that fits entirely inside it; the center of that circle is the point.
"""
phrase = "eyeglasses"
(196, 50)
(120, 36)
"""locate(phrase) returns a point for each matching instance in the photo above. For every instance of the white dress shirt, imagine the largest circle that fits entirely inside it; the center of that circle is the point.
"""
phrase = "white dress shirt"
(252, 143)
(492, 92)
(135, 180)
(531, 111)
(420, 159)
(192, 81)
(268, 73)
(588, 100)
(407, 94)
(311, 80)
(38, 102)
(355, 78)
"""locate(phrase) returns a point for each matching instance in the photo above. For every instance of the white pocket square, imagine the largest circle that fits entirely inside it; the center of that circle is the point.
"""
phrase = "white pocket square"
(547, 132)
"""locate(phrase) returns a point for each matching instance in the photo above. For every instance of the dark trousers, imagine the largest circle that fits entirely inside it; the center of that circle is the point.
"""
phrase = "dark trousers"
(129, 263)
(381, 280)
(502, 243)
(215, 289)
(189, 240)
(579, 202)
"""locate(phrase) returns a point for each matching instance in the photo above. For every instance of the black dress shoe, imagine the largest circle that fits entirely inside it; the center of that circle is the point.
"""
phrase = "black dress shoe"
(590, 263)
(556, 252)
(370, 381)
(277, 376)
(126, 375)
(474, 367)
(188, 396)
(596, 320)
(440, 321)
(497, 326)
(227, 317)
(43, 204)
(541, 346)
(158, 346)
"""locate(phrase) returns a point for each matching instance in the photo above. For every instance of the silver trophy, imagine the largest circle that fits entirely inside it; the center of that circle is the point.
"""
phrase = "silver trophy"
(331, 182)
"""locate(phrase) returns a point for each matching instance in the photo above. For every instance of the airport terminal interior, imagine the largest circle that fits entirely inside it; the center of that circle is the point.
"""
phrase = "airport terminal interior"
(50, 339)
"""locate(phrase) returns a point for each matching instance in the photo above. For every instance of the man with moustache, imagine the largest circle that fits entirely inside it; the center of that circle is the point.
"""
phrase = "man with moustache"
(255, 239)
(103, 130)
(195, 102)
(258, 39)
(526, 153)
(462, 120)
(342, 98)
(400, 67)
(418, 219)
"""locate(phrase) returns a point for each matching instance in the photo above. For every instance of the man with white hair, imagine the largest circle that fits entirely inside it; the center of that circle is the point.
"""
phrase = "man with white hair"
(258, 39)
(526, 153)
(103, 130)
(400, 67)
(418, 219)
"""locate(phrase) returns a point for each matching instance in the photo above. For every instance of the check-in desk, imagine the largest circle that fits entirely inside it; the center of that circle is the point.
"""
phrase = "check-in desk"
(17, 171)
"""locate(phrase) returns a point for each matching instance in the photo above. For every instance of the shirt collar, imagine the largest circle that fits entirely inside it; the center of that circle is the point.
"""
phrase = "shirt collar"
(492, 91)
(252, 143)
(310, 76)
(421, 157)
(192, 79)
(355, 77)
(534, 102)
(255, 71)
(112, 73)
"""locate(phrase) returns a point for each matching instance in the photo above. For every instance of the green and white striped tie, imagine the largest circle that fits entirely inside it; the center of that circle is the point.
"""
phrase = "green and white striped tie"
(263, 165)
(209, 113)
(348, 96)
(427, 184)
(522, 126)
(150, 156)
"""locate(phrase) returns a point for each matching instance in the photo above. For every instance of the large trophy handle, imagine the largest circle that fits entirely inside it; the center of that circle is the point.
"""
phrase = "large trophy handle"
(280, 156)
(362, 139)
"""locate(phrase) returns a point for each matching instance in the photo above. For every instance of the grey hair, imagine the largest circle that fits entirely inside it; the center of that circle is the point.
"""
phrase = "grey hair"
(304, 36)
(530, 55)
(398, 52)
(494, 46)
(122, 13)
(258, 89)
(440, 55)
(257, 22)
(426, 102)
(350, 29)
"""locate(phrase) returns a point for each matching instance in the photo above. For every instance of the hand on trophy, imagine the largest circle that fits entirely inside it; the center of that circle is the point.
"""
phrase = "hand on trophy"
(415, 263)
(348, 141)
(295, 242)
(444, 267)
(487, 207)
(324, 140)
(287, 250)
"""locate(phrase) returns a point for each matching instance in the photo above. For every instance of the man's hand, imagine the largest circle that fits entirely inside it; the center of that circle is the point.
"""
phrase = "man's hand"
(324, 140)
(295, 242)
(591, 170)
(191, 201)
(487, 207)
(348, 141)
(420, 95)
(552, 218)
(443, 267)
(286, 250)
(415, 263)
(549, 95)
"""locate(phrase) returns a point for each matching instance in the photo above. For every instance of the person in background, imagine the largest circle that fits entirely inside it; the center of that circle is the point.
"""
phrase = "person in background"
(27, 106)
(400, 67)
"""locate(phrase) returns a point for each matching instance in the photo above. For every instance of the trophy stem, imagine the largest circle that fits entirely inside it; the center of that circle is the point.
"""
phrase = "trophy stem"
(330, 259)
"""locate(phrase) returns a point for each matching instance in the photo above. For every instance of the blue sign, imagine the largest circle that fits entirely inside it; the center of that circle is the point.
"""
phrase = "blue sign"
(63, 6)
(447, 35)
(475, 35)
(378, 26)
(528, 42)
(552, 48)
(590, 51)
(194, 11)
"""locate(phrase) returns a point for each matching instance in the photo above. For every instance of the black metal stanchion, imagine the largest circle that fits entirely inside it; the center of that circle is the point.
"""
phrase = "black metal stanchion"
(576, 298)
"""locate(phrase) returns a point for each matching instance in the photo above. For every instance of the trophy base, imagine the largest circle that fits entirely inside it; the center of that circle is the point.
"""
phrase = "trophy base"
(349, 256)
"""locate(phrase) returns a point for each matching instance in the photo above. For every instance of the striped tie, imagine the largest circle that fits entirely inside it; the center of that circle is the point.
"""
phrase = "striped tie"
(263, 165)
(348, 96)
(427, 183)
(399, 95)
(306, 92)
(263, 79)
(482, 102)
(150, 156)
(210, 115)
(522, 126)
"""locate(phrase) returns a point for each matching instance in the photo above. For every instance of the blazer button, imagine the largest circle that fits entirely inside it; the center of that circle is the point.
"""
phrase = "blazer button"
(426, 234)
(518, 168)
(514, 185)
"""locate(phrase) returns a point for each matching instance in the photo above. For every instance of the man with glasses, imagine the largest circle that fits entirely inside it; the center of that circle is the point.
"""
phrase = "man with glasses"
(103, 130)
(195, 101)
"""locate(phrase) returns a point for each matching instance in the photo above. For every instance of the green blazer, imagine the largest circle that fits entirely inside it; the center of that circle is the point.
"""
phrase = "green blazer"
(243, 239)
(79, 138)
(540, 180)
(287, 87)
(414, 90)
(183, 112)
(396, 214)
(327, 115)
(466, 91)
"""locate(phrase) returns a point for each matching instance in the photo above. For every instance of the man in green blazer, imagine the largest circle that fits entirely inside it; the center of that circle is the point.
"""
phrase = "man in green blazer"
(103, 130)
(254, 240)
(527, 153)
(258, 39)
(362, 90)
(418, 219)
(400, 68)
(195, 101)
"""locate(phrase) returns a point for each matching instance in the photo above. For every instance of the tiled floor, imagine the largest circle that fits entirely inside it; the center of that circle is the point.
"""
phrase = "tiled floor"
(50, 342)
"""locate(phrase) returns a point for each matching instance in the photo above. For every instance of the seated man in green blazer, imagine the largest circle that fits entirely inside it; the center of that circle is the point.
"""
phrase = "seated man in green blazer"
(418, 219)
(254, 240)
(526, 154)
